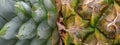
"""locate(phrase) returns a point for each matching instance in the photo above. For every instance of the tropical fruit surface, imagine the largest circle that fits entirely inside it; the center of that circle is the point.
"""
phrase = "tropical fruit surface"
(59, 22)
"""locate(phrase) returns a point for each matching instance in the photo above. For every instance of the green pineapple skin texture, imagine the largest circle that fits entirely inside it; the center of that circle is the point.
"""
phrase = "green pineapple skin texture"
(33, 22)
(30, 22)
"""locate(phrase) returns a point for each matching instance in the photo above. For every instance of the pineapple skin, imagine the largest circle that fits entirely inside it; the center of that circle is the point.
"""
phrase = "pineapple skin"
(59, 22)
(28, 22)
(89, 22)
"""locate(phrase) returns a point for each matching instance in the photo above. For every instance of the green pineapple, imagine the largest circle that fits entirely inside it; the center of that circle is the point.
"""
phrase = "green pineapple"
(28, 22)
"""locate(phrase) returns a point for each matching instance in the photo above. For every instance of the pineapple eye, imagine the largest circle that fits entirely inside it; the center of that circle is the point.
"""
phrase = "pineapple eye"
(112, 31)
(112, 28)
(79, 9)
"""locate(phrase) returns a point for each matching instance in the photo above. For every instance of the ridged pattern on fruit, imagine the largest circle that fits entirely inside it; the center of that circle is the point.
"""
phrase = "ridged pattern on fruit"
(90, 22)
(28, 22)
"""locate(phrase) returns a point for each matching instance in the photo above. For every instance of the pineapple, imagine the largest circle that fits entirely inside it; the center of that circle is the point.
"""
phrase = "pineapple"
(28, 22)
(89, 22)
(59, 22)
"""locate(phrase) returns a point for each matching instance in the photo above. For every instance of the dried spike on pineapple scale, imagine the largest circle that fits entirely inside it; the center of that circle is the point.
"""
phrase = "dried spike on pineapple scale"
(115, 19)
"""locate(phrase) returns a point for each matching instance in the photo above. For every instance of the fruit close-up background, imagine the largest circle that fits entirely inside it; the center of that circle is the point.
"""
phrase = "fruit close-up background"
(59, 22)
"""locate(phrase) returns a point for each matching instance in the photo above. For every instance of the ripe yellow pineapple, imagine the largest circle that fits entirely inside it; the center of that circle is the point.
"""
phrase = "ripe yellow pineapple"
(89, 22)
